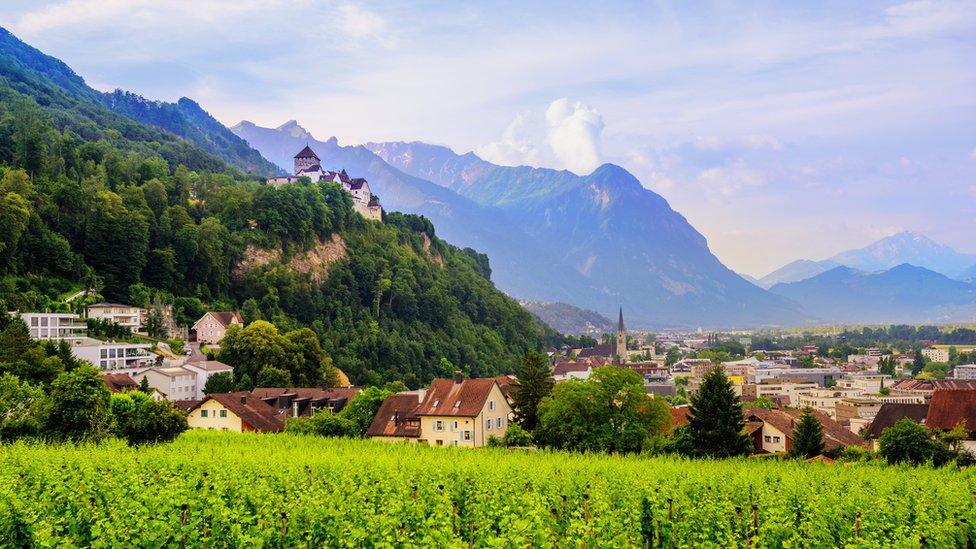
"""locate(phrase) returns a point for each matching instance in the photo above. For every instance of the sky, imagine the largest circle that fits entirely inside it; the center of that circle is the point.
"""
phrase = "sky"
(779, 130)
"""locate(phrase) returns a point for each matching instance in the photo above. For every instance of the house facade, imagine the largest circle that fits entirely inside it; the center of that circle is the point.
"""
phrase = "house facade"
(239, 412)
(55, 326)
(114, 356)
(213, 325)
(128, 316)
(203, 370)
(176, 382)
(463, 412)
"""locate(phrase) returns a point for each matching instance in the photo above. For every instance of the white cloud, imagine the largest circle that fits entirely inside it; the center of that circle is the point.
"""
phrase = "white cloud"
(574, 135)
(513, 149)
(754, 142)
(972, 155)
(361, 25)
(730, 181)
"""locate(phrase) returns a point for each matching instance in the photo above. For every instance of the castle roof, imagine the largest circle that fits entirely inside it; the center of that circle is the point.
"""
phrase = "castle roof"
(307, 152)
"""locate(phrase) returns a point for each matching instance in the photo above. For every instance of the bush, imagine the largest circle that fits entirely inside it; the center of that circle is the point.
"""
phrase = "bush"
(516, 436)
(141, 420)
(323, 424)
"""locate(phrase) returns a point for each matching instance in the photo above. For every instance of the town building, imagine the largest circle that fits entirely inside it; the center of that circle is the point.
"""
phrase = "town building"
(203, 370)
(891, 413)
(825, 399)
(772, 430)
(781, 390)
(55, 326)
(936, 354)
(120, 383)
(213, 325)
(397, 419)
(964, 371)
(175, 382)
(114, 356)
(950, 408)
(306, 401)
(308, 164)
(239, 412)
(457, 412)
(128, 316)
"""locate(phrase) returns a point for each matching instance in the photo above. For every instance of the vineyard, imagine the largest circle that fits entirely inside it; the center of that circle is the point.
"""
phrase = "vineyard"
(230, 490)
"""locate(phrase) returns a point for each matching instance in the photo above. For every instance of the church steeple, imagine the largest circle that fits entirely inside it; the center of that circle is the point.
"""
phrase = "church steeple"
(620, 349)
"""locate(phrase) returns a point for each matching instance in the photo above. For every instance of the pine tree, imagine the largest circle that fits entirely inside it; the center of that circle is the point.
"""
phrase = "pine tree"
(715, 425)
(808, 437)
(144, 385)
(534, 384)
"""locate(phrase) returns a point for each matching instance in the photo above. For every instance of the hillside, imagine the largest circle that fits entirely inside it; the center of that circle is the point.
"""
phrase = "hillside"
(182, 133)
(567, 319)
(902, 294)
(115, 206)
(800, 269)
(595, 241)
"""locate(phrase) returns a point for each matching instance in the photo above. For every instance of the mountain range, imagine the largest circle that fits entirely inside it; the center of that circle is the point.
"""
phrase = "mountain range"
(567, 319)
(902, 294)
(904, 247)
(596, 241)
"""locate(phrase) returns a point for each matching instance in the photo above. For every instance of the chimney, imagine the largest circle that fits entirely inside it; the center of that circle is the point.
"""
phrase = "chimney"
(243, 399)
(396, 417)
(421, 393)
(458, 376)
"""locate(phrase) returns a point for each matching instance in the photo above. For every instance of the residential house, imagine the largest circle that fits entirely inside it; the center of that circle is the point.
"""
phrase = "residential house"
(55, 326)
(305, 401)
(397, 419)
(964, 371)
(889, 414)
(783, 390)
(772, 430)
(203, 370)
(212, 326)
(239, 412)
(463, 412)
(573, 369)
(128, 316)
(936, 354)
(926, 387)
(856, 413)
(176, 382)
(114, 356)
(949, 408)
(120, 383)
(825, 399)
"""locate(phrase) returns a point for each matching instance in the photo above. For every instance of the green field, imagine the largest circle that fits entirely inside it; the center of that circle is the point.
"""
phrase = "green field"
(228, 490)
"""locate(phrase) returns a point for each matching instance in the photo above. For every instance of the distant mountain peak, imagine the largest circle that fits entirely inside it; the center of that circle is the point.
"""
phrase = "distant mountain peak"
(293, 129)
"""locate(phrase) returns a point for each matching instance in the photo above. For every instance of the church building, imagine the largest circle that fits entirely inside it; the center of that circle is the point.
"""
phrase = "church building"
(308, 164)
(620, 348)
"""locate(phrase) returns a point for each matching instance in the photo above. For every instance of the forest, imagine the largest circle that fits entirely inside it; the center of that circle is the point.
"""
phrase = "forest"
(92, 200)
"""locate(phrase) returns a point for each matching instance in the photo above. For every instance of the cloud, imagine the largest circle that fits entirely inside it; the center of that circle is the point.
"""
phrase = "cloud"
(574, 135)
(360, 26)
(730, 181)
(972, 155)
(752, 142)
(513, 149)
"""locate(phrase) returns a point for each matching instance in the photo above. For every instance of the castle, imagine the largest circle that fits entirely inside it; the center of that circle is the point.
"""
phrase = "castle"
(308, 164)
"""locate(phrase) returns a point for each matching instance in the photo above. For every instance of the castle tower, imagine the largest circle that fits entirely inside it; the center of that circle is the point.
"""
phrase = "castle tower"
(620, 349)
(305, 158)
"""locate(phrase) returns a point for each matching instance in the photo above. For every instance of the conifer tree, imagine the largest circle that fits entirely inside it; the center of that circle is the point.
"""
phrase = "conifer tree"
(715, 426)
(808, 436)
(532, 386)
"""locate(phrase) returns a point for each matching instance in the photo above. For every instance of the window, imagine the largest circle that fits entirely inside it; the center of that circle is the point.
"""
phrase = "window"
(491, 405)
(454, 426)
(440, 442)
(488, 424)
(466, 435)
(453, 443)
(438, 425)
(223, 413)
(775, 439)
(499, 422)
(767, 438)
(203, 413)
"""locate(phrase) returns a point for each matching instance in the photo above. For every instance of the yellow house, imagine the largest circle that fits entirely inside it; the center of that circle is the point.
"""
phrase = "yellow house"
(239, 412)
(463, 412)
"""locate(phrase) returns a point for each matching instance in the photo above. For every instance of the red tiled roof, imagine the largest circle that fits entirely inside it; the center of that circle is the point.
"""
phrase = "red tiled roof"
(599, 350)
(950, 407)
(307, 392)
(186, 405)
(890, 413)
(835, 434)
(119, 382)
(251, 409)
(563, 368)
(397, 417)
(227, 317)
(508, 384)
(447, 397)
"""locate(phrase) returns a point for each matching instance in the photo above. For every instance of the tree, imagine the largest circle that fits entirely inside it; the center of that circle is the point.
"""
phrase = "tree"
(141, 420)
(516, 436)
(305, 357)
(886, 366)
(906, 441)
(918, 363)
(221, 382)
(251, 349)
(23, 408)
(273, 377)
(808, 436)
(608, 412)
(15, 340)
(672, 357)
(716, 424)
(14, 214)
(362, 409)
(144, 385)
(323, 424)
(533, 383)
(79, 406)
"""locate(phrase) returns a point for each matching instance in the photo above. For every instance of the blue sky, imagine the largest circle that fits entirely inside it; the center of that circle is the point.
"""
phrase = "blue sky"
(780, 131)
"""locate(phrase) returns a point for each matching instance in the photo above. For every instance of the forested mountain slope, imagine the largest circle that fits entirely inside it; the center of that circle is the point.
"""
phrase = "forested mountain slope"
(88, 196)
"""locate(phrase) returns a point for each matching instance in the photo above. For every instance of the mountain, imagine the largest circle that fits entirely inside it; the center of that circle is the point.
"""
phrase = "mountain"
(84, 196)
(969, 274)
(182, 133)
(800, 269)
(567, 319)
(907, 247)
(902, 294)
(750, 279)
(625, 240)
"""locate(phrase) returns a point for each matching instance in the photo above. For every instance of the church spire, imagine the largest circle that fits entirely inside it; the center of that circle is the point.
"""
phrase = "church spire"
(620, 321)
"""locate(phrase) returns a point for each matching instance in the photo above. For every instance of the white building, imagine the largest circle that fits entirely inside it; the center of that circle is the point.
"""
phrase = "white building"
(129, 316)
(867, 383)
(212, 326)
(825, 400)
(203, 371)
(964, 371)
(936, 355)
(308, 164)
(114, 356)
(55, 326)
(176, 382)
